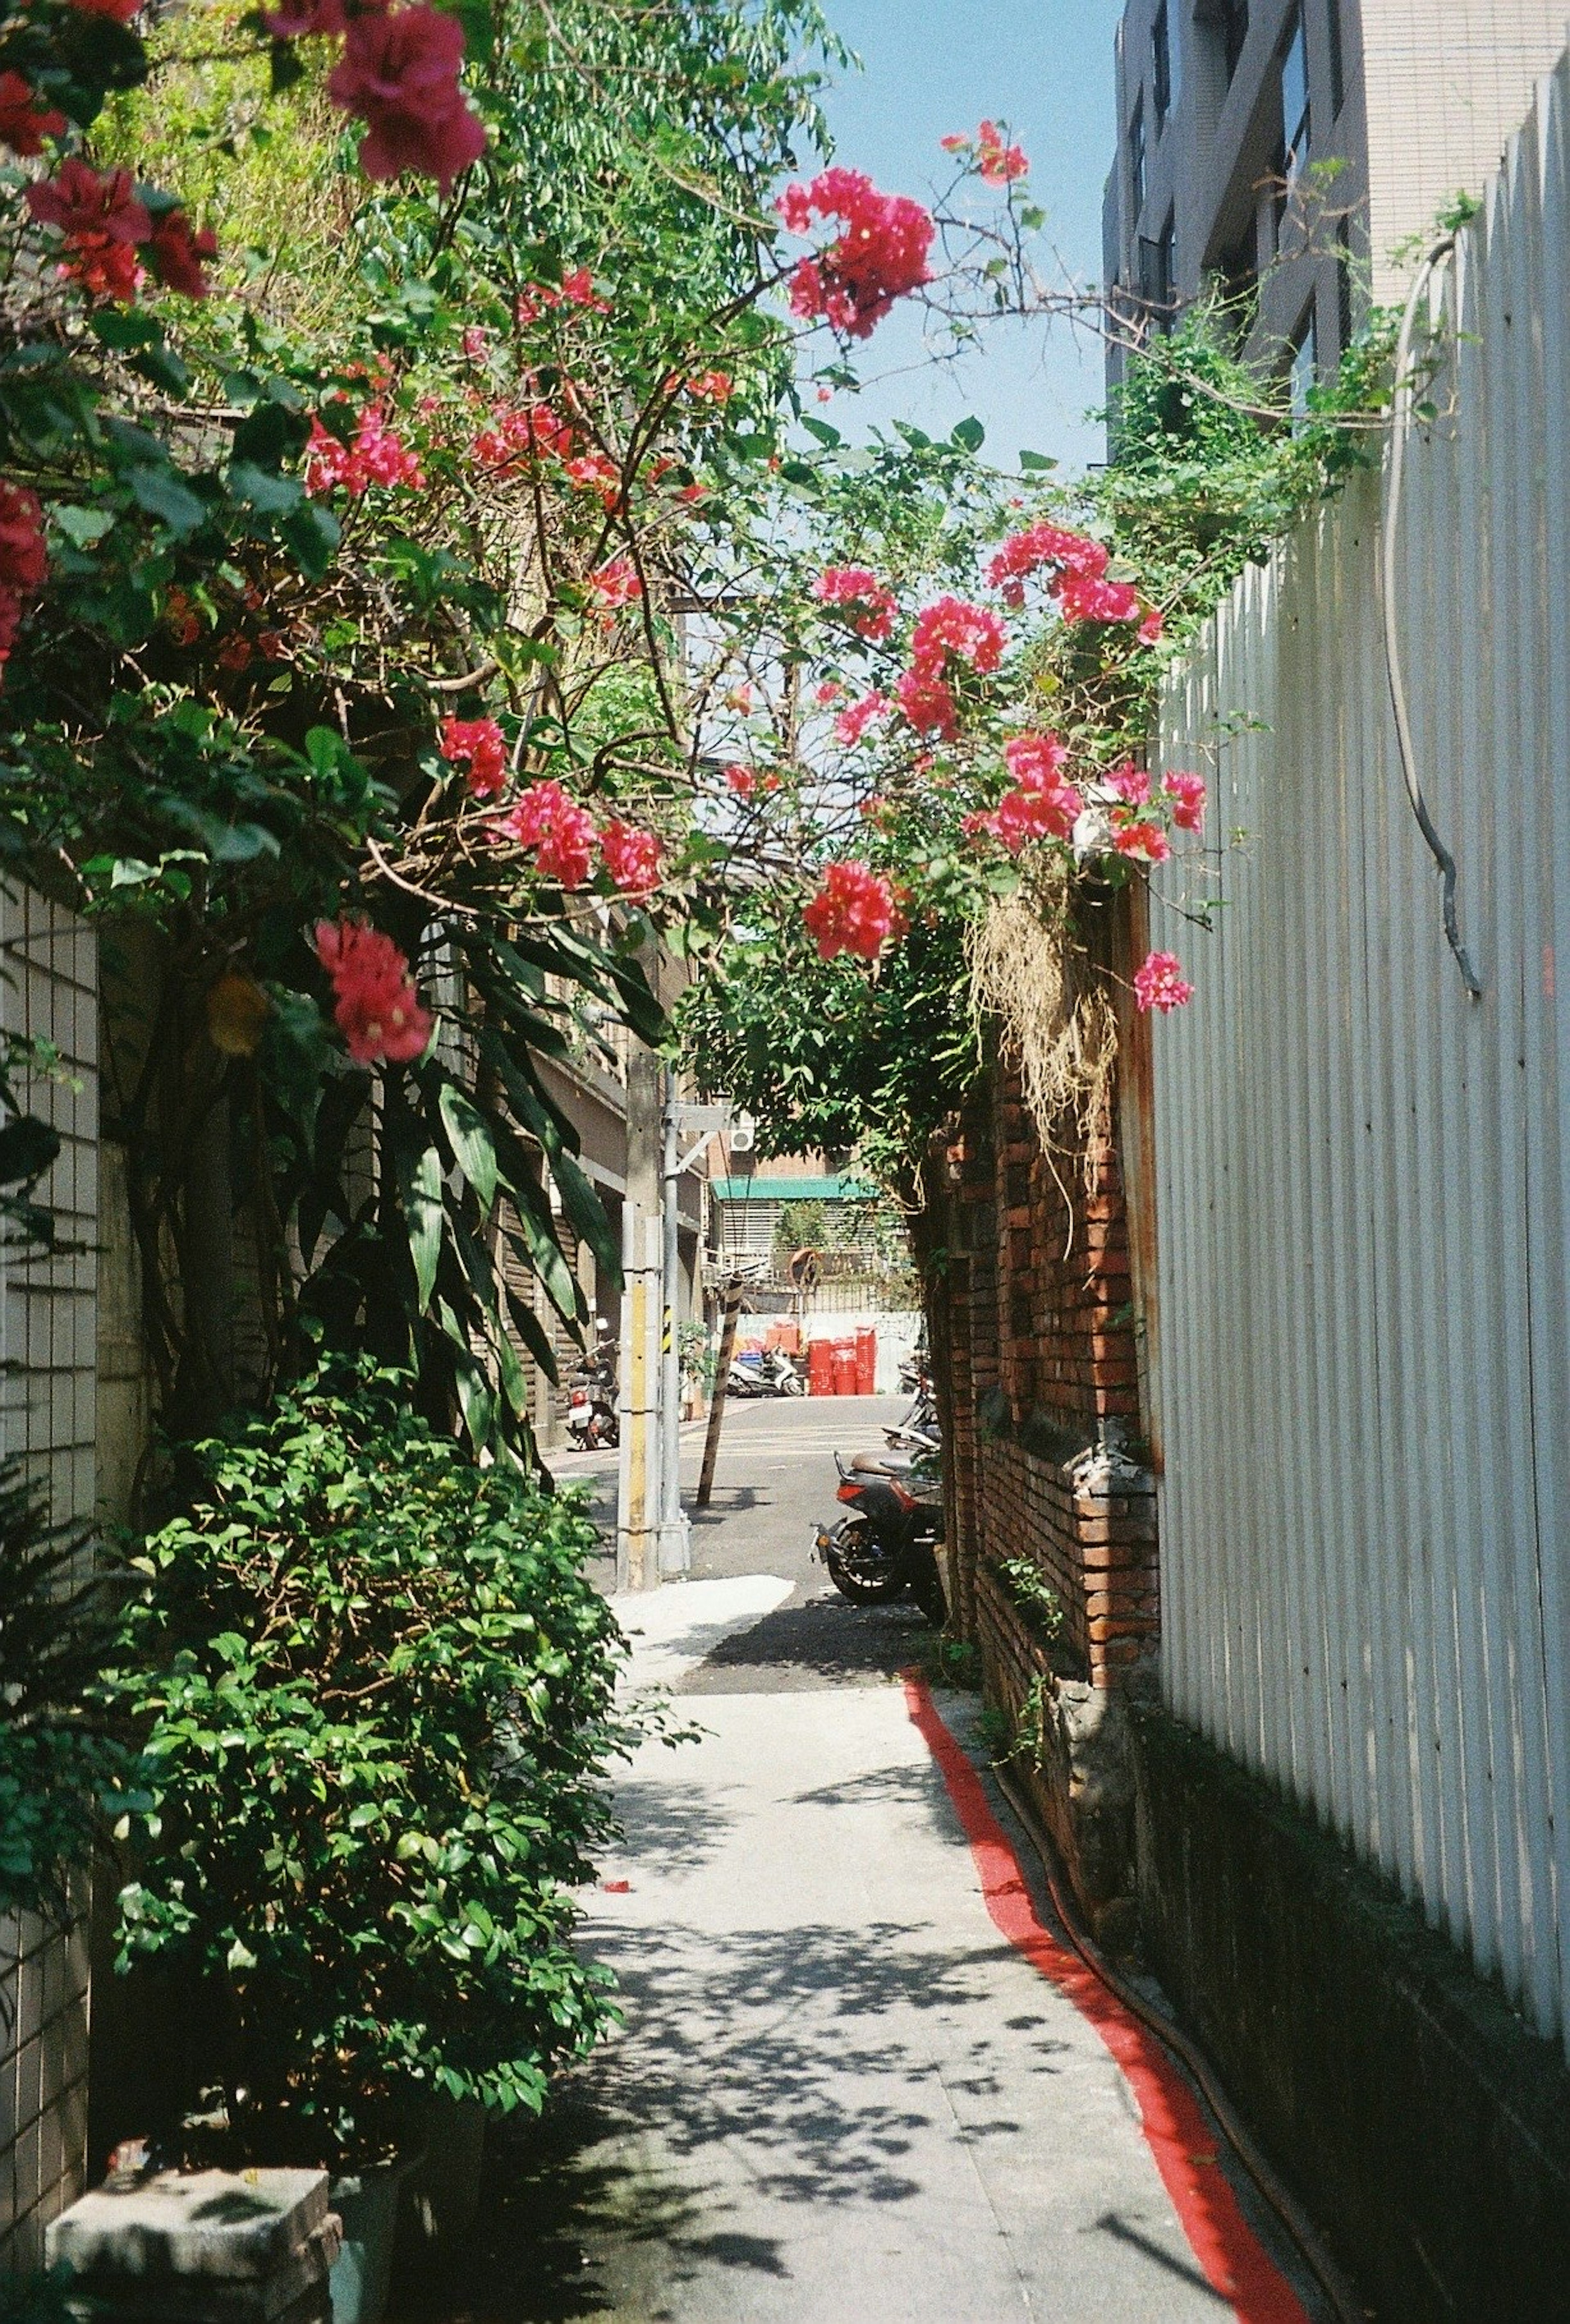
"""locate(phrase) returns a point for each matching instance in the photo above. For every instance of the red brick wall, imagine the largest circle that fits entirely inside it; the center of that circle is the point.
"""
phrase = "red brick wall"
(1042, 1385)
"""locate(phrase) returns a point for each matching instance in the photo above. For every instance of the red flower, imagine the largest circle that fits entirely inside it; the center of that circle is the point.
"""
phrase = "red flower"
(742, 781)
(377, 456)
(400, 73)
(480, 744)
(867, 605)
(121, 11)
(1150, 628)
(1142, 842)
(953, 626)
(1046, 544)
(560, 831)
(1132, 783)
(177, 253)
(881, 256)
(1187, 792)
(852, 911)
(578, 289)
(10, 622)
(1041, 806)
(999, 163)
(1083, 599)
(87, 206)
(616, 583)
(853, 723)
(24, 125)
(634, 858)
(712, 387)
(1158, 984)
(297, 20)
(23, 564)
(927, 703)
(376, 1006)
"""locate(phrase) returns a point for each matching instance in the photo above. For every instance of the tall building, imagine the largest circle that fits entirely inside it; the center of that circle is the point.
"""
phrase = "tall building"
(1227, 111)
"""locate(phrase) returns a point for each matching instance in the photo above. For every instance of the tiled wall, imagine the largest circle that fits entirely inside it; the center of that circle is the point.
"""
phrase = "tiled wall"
(47, 1410)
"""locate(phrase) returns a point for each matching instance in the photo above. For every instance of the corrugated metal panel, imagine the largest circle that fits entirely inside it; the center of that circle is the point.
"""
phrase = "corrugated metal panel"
(1363, 1175)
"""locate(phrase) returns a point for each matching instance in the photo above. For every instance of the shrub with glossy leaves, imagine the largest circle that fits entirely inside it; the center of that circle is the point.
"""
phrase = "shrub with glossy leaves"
(377, 1699)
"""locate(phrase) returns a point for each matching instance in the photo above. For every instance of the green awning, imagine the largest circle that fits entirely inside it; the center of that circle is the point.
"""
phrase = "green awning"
(790, 1190)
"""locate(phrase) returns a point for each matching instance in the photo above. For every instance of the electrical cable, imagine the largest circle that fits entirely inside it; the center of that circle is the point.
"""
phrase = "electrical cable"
(1337, 2289)
(1401, 413)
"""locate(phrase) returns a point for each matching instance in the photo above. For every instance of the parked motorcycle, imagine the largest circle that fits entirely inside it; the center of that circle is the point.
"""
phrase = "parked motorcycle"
(591, 1404)
(763, 1371)
(889, 1543)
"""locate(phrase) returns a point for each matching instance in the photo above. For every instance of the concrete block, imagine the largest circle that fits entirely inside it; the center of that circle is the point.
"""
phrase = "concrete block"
(231, 2227)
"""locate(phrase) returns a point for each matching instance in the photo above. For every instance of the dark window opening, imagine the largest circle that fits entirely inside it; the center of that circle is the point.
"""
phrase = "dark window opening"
(1229, 18)
(1158, 276)
(1303, 372)
(1136, 160)
(1344, 286)
(1295, 112)
(1161, 66)
(1239, 269)
(1337, 60)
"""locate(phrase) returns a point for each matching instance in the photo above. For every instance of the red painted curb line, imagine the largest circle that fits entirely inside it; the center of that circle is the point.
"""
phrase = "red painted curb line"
(1235, 2263)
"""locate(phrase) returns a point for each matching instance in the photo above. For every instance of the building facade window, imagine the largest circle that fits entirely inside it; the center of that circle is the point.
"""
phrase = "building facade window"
(1227, 23)
(1303, 372)
(1343, 286)
(1136, 161)
(1166, 60)
(1295, 109)
(1337, 59)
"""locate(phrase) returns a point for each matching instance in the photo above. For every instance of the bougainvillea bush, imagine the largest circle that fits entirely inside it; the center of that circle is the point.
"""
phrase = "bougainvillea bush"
(374, 1691)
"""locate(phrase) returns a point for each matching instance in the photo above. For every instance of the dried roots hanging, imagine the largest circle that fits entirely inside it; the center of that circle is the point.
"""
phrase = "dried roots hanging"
(1028, 970)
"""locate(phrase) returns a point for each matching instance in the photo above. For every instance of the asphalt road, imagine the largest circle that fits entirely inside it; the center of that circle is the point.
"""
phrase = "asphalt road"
(842, 2092)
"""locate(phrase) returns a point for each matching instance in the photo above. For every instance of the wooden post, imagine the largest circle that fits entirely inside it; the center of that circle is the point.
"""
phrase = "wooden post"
(716, 1411)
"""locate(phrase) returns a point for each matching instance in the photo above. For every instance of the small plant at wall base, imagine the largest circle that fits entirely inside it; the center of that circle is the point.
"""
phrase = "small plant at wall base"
(1033, 1595)
(377, 1698)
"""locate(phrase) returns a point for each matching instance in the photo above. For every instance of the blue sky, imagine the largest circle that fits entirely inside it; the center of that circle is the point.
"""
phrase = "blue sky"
(936, 66)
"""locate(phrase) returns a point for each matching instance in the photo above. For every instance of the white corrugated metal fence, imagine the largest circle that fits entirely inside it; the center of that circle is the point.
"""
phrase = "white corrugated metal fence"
(1363, 1197)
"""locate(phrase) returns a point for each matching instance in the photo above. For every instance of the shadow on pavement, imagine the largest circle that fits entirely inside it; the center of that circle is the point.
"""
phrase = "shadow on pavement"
(825, 1642)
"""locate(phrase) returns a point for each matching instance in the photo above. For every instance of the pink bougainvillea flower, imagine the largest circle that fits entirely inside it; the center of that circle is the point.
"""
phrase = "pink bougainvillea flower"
(578, 289)
(881, 256)
(1188, 794)
(1151, 627)
(299, 20)
(1051, 545)
(712, 387)
(480, 746)
(999, 163)
(852, 911)
(398, 73)
(24, 120)
(376, 1006)
(560, 832)
(23, 564)
(616, 583)
(952, 626)
(524, 433)
(177, 254)
(742, 781)
(120, 11)
(1042, 805)
(928, 702)
(1158, 984)
(1082, 598)
(955, 142)
(634, 858)
(851, 724)
(867, 605)
(1142, 842)
(86, 206)
(375, 456)
(827, 692)
(1132, 783)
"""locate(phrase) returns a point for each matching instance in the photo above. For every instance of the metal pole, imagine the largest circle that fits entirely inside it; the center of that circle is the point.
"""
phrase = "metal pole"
(716, 1411)
(674, 1556)
(639, 1507)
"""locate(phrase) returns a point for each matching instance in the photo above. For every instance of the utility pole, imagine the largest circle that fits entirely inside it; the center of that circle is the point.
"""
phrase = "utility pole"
(638, 1501)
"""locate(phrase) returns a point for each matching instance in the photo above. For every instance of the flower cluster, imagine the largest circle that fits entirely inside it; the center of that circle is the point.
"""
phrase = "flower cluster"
(1041, 805)
(746, 783)
(996, 161)
(950, 629)
(24, 120)
(867, 605)
(881, 256)
(1076, 567)
(562, 836)
(376, 1006)
(478, 745)
(1158, 984)
(399, 74)
(577, 290)
(616, 583)
(375, 456)
(104, 223)
(23, 562)
(851, 724)
(852, 911)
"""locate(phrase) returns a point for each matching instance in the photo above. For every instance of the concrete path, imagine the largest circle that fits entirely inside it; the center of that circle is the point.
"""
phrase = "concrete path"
(841, 2092)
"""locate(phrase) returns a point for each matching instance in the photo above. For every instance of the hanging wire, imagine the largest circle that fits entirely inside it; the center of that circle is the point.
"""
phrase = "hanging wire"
(1400, 416)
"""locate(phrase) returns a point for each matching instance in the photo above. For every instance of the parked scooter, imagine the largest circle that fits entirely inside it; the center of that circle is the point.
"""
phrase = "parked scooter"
(889, 1543)
(591, 1403)
(763, 1371)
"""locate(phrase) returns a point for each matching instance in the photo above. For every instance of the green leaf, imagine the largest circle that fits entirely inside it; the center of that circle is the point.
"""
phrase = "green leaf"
(969, 435)
(424, 1210)
(263, 488)
(473, 1146)
(1035, 463)
(159, 490)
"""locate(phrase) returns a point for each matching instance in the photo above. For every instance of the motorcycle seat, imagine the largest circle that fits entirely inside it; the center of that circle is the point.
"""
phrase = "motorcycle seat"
(882, 1464)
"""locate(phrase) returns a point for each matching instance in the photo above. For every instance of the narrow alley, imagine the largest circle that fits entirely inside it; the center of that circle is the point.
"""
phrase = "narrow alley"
(842, 2091)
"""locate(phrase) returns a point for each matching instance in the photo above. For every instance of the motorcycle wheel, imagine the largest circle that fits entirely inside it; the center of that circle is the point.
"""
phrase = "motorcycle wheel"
(610, 1430)
(926, 1585)
(793, 1386)
(860, 1590)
